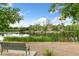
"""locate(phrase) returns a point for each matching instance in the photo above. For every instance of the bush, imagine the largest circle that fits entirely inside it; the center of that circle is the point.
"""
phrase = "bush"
(47, 52)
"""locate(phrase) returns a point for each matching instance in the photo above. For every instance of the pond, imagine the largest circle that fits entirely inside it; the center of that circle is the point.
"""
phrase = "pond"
(12, 35)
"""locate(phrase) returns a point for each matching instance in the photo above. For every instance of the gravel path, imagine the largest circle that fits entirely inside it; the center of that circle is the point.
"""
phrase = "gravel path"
(58, 48)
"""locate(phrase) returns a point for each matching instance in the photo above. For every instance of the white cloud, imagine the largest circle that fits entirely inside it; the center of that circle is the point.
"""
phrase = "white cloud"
(68, 21)
(56, 21)
(20, 24)
(24, 23)
(42, 21)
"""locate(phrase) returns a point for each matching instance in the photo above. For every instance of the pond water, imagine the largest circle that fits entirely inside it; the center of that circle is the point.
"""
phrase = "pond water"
(12, 35)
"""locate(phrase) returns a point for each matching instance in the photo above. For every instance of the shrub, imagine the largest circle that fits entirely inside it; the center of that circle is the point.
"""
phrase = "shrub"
(47, 52)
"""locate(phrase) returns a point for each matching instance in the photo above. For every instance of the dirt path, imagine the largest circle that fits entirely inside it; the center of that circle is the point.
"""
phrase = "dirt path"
(58, 48)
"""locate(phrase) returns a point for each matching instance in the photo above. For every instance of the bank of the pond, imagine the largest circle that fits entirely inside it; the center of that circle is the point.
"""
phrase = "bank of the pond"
(2, 36)
(30, 39)
(67, 36)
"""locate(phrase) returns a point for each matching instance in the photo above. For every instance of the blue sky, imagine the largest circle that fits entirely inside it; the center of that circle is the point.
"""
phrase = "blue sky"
(33, 11)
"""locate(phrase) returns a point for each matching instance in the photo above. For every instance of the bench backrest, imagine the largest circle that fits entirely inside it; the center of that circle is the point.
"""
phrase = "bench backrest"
(13, 46)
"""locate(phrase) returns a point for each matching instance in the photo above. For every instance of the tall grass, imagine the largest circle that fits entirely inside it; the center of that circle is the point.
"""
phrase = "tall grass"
(53, 37)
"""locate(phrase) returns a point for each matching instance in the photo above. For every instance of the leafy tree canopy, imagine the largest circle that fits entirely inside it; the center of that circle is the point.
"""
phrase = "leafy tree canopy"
(8, 15)
(66, 10)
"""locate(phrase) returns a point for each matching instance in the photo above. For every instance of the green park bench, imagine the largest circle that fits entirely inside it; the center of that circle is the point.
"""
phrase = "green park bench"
(14, 46)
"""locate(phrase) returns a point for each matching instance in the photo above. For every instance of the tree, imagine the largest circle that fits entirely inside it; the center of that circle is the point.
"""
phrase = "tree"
(66, 10)
(8, 15)
(22, 29)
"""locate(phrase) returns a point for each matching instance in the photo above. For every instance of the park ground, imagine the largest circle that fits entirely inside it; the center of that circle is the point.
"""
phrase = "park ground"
(57, 48)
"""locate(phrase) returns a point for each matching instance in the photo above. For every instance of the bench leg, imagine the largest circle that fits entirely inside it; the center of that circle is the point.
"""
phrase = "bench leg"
(29, 49)
(1, 51)
(7, 50)
(26, 52)
(29, 52)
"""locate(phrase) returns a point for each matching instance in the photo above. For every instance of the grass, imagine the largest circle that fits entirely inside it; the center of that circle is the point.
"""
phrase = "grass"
(53, 37)
(29, 39)
(48, 52)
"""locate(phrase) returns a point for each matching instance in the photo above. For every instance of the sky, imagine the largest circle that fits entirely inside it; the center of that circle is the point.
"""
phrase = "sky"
(32, 12)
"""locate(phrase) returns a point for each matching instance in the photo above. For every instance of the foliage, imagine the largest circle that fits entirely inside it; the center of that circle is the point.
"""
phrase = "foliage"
(70, 33)
(47, 52)
(8, 15)
(21, 30)
(66, 36)
(66, 10)
(29, 39)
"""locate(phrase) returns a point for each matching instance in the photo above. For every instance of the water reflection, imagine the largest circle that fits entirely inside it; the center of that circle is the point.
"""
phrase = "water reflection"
(12, 35)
